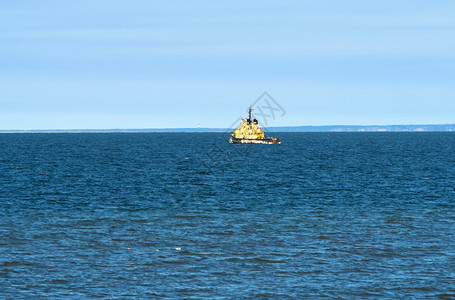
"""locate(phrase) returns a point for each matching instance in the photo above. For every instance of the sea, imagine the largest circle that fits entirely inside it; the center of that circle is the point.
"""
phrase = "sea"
(190, 216)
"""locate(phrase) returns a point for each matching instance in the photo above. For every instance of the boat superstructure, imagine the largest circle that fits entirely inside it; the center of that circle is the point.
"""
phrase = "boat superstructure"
(249, 132)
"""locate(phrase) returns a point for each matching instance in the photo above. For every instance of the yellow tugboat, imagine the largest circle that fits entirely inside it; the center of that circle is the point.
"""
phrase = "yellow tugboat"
(249, 132)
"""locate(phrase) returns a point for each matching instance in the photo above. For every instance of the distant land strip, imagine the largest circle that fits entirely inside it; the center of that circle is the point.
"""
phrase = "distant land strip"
(325, 128)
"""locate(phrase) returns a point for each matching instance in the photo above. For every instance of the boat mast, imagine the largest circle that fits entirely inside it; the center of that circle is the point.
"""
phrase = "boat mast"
(249, 113)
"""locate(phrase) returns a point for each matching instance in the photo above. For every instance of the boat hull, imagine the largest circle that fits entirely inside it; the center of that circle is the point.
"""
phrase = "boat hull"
(234, 140)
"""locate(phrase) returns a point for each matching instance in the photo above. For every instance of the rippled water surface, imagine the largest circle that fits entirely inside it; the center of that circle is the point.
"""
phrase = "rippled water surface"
(172, 215)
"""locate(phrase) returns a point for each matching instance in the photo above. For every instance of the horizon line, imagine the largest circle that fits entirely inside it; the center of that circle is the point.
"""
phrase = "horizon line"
(301, 128)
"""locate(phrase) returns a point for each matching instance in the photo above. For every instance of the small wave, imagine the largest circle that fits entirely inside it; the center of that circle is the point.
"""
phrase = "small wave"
(11, 264)
(173, 262)
(60, 281)
(220, 233)
(15, 263)
(263, 260)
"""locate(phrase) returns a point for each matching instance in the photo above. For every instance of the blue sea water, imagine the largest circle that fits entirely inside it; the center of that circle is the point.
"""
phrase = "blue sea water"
(188, 215)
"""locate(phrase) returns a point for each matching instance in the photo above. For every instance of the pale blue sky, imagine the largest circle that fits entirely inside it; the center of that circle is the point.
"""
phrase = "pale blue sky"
(147, 64)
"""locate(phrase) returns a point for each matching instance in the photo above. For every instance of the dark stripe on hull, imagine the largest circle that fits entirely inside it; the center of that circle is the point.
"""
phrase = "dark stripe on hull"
(234, 140)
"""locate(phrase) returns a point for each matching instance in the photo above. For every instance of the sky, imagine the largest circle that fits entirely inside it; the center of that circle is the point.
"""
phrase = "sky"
(105, 64)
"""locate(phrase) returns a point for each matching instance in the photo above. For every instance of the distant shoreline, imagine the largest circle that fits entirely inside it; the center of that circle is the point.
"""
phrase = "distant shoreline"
(324, 128)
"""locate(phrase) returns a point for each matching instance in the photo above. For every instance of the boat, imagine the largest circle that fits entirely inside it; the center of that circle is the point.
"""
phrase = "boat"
(249, 132)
